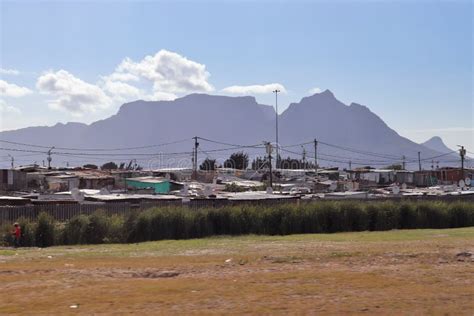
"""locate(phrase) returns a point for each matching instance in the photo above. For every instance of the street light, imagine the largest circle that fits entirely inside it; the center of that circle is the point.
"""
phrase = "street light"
(277, 161)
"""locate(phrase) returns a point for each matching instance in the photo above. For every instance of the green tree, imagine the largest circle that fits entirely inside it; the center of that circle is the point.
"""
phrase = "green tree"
(90, 166)
(258, 163)
(208, 164)
(238, 160)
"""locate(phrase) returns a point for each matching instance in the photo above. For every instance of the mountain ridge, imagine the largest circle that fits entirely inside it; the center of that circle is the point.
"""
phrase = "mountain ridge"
(234, 120)
(436, 143)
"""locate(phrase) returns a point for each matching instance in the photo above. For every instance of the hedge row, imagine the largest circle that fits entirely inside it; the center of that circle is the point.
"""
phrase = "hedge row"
(184, 223)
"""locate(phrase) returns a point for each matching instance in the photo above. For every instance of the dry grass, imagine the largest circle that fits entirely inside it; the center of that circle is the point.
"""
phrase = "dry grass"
(397, 272)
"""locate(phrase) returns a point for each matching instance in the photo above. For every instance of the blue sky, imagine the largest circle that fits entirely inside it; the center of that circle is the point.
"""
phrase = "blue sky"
(410, 62)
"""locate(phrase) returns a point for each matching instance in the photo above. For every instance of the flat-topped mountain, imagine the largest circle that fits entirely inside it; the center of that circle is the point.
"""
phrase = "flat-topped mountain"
(344, 132)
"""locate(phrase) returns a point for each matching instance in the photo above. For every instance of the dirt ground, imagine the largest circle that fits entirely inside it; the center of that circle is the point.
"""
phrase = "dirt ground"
(396, 272)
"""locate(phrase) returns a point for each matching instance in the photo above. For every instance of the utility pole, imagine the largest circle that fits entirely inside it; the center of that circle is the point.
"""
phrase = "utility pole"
(403, 162)
(12, 161)
(195, 150)
(277, 164)
(304, 157)
(49, 157)
(462, 153)
(419, 161)
(269, 149)
(316, 156)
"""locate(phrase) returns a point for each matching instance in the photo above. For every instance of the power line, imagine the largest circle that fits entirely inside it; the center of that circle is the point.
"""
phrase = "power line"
(97, 149)
(229, 144)
(359, 151)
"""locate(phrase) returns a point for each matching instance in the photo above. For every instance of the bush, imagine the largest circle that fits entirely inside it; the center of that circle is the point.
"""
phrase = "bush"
(45, 231)
(97, 228)
(75, 230)
(6, 234)
(278, 219)
(116, 231)
(27, 232)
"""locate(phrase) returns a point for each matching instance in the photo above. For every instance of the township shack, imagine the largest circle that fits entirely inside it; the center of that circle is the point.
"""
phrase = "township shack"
(158, 184)
(375, 176)
(62, 182)
(12, 180)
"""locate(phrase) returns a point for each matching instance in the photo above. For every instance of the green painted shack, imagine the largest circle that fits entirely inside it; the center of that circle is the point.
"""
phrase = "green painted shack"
(158, 184)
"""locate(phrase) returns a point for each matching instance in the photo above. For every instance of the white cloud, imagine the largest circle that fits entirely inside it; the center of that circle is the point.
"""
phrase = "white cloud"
(8, 109)
(165, 96)
(121, 91)
(119, 76)
(254, 89)
(169, 72)
(314, 90)
(12, 90)
(12, 72)
(72, 94)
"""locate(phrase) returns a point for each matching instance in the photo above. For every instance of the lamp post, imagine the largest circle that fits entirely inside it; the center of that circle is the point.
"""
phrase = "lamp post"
(277, 160)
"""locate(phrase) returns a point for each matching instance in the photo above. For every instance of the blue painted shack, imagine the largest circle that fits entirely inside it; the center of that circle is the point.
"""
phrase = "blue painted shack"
(158, 184)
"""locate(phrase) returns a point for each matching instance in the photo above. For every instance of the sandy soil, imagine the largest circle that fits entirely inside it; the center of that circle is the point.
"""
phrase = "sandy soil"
(429, 272)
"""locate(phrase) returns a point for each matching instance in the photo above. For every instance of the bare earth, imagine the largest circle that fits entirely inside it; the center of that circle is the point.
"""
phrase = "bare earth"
(397, 272)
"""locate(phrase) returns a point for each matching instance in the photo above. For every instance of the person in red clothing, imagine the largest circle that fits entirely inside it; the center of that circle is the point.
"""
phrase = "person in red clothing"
(16, 234)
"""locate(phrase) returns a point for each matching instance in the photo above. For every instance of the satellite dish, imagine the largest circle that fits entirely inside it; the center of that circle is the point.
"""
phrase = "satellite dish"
(269, 190)
(396, 189)
(104, 191)
(404, 186)
(467, 181)
(462, 184)
(168, 177)
(333, 187)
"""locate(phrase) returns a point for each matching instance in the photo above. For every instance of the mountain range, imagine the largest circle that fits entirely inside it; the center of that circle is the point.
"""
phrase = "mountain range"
(345, 134)
(437, 144)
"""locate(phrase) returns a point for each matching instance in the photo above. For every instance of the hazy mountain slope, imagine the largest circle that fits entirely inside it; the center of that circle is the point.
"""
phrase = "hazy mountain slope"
(436, 143)
(325, 118)
(234, 120)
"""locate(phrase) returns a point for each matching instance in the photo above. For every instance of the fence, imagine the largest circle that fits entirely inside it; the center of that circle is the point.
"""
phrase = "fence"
(60, 212)
(64, 212)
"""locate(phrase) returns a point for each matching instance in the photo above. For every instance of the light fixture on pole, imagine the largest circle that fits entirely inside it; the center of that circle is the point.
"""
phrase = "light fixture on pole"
(277, 160)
